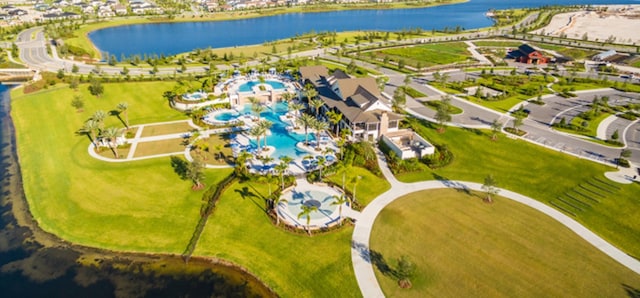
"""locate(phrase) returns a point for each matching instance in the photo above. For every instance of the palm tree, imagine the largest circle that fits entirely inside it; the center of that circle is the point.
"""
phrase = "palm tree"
(258, 108)
(257, 132)
(285, 160)
(266, 125)
(297, 107)
(99, 117)
(287, 96)
(316, 104)
(276, 202)
(321, 162)
(123, 108)
(339, 200)
(341, 142)
(319, 126)
(334, 118)
(355, 181)
(111, 134)
(241, 159)
(90, 127)
(311, 94)
(280, 169)
(306, 211)
(306, 121)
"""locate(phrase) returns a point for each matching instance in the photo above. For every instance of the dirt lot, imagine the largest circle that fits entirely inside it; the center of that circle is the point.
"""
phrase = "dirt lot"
(618, 21)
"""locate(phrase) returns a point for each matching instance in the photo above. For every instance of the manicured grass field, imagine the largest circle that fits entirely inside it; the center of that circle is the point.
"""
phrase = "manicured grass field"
(293, 264)
(368, 186)
(538, 173)
(463, 247)
(431, 54)
(139, 206)
(159, 147)
(143, 206)
(165, 129)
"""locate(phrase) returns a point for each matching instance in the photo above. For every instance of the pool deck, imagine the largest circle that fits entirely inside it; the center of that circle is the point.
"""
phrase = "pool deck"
(315, 223)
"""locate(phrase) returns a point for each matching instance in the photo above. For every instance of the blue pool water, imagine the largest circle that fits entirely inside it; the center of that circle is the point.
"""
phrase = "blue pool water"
(284, 141)
(320, 199)
(248, 86)
(226, 116)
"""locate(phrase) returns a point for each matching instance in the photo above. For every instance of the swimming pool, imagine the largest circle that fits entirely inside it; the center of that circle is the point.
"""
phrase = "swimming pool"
(283, 140)
(195, 96)
(322, 200)
(226, 116)
(248, 86)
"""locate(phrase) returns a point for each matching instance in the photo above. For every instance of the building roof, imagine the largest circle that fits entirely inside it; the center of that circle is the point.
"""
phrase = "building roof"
(526, 49)
(358, 99)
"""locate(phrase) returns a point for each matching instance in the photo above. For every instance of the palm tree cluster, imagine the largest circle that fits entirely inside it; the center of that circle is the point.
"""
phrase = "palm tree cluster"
(307, 121)
(94, 128)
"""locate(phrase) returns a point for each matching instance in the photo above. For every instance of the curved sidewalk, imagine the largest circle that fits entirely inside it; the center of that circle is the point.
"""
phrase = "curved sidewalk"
(360, 252)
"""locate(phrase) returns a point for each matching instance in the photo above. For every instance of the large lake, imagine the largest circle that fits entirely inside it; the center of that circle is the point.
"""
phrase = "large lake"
(174, 38)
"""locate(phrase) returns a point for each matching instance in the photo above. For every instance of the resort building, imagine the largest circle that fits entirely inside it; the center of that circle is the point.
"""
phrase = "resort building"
(408, 144)
(366, 113)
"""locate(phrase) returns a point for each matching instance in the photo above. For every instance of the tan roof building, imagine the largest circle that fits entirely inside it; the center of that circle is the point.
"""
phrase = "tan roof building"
(365, 111)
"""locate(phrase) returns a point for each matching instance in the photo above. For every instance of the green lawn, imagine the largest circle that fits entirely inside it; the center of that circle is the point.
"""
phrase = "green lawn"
(165, 129)
(495, 43)
(429, 55)
(144, 206)
(502, 105)
(592, 129)
(499, 249)
(141, 206)
(538, 173)
(367, 188)
(293, 264)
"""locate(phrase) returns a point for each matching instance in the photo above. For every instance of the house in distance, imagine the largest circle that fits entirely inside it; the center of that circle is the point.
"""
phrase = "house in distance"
(527, 54)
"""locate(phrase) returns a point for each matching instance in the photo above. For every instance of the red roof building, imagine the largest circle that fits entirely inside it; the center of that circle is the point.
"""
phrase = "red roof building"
(526, 54)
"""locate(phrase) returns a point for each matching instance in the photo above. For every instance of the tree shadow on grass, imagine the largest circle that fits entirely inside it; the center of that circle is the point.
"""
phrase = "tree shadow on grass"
(453, 184)
(631, 291)
(117, 114)
(245, 193)
(375, 258)
(179, 166)
(81, 132)
(378, 260)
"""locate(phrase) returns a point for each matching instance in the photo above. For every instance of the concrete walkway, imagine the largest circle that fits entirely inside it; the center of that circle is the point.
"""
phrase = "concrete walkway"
(139, 139)
(360, 252)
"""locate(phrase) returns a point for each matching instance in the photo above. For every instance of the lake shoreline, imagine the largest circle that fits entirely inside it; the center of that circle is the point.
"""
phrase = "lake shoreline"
(232, 16)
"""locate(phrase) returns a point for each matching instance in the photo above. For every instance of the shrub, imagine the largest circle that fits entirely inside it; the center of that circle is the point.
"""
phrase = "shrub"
(441, 158)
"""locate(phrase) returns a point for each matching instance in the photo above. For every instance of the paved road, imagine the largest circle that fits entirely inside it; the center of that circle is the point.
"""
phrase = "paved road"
(32, 45)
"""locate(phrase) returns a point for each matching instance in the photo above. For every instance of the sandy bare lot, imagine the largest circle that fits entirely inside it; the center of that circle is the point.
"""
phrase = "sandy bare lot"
(621, 22)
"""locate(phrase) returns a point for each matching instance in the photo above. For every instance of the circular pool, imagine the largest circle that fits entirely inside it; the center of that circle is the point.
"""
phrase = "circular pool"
(320, 197)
